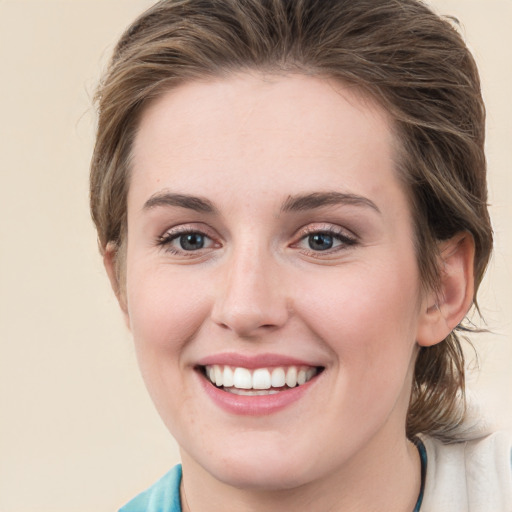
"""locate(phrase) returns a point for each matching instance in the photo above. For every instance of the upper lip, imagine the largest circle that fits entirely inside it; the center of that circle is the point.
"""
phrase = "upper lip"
(253, 361)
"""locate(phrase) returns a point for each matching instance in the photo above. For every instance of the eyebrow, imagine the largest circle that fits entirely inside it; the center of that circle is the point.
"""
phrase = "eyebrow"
(303, 202)
(199, 204)
(297, 203)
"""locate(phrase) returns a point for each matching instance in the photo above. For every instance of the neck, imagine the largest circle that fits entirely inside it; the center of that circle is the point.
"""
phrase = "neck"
(386, 477)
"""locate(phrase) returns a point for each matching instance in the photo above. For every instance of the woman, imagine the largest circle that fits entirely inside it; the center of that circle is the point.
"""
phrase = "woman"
(290, 199)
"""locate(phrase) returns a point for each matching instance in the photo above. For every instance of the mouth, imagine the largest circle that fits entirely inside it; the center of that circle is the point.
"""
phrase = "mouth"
(258, 381)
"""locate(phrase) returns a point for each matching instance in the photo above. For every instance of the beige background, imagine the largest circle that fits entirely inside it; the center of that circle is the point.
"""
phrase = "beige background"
(77, 432)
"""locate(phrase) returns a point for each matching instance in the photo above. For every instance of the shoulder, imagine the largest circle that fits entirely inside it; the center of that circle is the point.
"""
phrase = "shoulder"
(470, 475)
(162, 496)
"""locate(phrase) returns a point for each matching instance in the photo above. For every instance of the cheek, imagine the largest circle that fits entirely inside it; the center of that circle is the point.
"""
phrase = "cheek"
(368, 314)
(166, 310)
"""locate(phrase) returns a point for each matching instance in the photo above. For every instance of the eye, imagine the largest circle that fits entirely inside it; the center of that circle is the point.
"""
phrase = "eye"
(321, 241)
(183, 241)
(316, 239)
(191, 241)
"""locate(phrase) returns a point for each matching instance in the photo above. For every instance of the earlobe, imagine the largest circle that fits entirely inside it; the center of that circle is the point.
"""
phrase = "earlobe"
(110, 256)
(445, 308)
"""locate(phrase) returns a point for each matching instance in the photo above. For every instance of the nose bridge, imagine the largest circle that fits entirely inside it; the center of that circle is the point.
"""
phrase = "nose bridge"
(251, 296)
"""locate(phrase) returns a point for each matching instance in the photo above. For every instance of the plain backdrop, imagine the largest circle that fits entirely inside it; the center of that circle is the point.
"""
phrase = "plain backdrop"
(77, 431)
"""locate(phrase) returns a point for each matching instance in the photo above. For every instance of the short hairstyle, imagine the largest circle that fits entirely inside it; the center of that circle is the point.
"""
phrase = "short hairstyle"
(405, 57)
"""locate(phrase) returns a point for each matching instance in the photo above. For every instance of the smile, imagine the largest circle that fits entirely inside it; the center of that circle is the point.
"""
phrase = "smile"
(258, 381)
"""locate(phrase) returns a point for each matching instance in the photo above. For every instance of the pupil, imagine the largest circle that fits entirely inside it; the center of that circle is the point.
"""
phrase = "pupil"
(191, 241)
(320, 242)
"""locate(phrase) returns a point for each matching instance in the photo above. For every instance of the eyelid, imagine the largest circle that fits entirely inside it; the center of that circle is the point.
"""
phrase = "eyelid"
(346, 238)
(165, 240)
(323, 227)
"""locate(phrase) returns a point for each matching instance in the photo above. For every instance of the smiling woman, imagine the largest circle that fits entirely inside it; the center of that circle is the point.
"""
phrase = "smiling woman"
(290, 199)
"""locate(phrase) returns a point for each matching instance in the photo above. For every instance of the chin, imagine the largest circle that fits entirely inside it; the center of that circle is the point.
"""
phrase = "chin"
(260, 466)
(262, 475)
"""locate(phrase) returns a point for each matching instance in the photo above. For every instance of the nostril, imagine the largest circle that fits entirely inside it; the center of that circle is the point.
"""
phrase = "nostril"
(248, 321)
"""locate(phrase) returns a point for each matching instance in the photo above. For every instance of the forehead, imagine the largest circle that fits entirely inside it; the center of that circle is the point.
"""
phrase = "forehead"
(261, 130)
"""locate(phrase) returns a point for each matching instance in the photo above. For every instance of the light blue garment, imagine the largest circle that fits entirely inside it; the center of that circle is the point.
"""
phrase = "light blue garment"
(163, 496)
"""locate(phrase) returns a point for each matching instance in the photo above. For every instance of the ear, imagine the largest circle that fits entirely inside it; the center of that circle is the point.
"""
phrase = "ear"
(445, 308)
(111, 263)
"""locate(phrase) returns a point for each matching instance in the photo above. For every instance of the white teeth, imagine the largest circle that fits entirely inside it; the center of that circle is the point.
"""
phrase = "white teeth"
(291, 377)
(260, 379)
(252, 392)
(228, 377)
(242, 378)
(278, 378)
(218, 375)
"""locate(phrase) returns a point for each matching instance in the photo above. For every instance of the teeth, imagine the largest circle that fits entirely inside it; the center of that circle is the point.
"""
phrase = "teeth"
(218, 375)
(278, 378)
(291, 377)
(228, 377)
(252, 392)
(259, 381)
(242, 378)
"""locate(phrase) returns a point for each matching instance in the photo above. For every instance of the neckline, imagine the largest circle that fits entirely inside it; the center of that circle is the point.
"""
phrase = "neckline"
(423, 458)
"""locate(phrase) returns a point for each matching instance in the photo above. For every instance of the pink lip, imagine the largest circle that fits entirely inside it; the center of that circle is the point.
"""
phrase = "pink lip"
(252, 361)
(259, 405)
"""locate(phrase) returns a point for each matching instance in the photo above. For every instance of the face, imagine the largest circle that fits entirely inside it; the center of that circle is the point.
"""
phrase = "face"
(270, 250)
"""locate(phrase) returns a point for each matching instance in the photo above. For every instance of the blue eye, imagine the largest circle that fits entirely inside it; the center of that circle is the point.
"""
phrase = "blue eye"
(191, 241)
(320, 241)
(185, 242)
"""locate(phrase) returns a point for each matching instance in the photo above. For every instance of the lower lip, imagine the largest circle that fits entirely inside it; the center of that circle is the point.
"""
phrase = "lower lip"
(259, 405)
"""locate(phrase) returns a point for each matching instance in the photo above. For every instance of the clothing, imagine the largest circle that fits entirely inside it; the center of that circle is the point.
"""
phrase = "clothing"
(468, 476)
(423, 459)
(162, 496)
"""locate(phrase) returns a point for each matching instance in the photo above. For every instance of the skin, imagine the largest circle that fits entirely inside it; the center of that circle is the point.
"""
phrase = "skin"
(246, 144)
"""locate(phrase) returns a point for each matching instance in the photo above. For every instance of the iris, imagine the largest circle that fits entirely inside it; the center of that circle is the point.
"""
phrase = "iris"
(192, 241)
(320, 241)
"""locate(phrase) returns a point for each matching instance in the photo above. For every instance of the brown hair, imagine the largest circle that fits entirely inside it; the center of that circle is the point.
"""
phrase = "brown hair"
(412, 62)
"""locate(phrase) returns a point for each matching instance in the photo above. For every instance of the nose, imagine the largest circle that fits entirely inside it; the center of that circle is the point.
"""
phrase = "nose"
(251, 299)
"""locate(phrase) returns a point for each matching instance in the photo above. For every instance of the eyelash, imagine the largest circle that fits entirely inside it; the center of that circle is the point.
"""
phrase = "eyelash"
(345, 240)
(165, 241)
